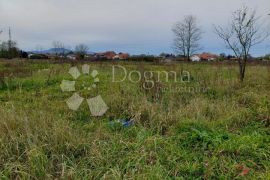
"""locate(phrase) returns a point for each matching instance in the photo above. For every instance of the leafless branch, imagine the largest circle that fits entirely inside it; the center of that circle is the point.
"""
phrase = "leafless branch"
(243, 32)
(187, 36)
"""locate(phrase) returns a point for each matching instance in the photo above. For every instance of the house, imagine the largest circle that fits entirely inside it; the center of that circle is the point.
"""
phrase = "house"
(121, 56)
(195, 58)
(106, 55)
(71, 57)
(109, 54)
(116, 56)
(208, 57)
(204, 57)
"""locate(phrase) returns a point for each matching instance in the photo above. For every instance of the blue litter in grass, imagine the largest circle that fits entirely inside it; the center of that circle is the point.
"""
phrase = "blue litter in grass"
(122, 122)
(128, 123)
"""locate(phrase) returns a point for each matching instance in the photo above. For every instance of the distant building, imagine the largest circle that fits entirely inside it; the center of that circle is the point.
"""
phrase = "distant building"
(110, 55)
(204, 57)
(121, 56)
(208, 57)
(195, 58)
(106, 55)
(72, 57)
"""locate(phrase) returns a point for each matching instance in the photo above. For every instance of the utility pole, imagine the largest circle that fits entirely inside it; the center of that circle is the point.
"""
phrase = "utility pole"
(9, 39)
(9, 43)
(0, 39)
(1, 31)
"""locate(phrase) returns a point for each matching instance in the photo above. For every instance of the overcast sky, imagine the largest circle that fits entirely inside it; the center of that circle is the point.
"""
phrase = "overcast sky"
(134, 26)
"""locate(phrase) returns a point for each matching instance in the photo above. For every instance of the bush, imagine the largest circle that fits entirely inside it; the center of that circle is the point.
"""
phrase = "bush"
(38, 56)
(9, 50)
(144, 58)
(267, 57)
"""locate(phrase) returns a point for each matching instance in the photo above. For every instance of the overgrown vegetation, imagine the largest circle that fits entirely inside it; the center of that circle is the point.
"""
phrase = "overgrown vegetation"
(9, 50)
(212, 127)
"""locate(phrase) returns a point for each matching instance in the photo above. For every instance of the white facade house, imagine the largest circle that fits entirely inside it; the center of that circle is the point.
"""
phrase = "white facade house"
(116, 56)
(71, 57)
(204, 57)
(195, 58)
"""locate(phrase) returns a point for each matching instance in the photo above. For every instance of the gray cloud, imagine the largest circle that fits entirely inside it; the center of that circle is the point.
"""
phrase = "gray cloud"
(139, 26)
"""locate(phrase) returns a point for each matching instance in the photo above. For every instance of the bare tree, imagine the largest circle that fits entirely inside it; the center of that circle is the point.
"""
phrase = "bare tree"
(81, 50)
(59, 48)
(187, 36)
(243, 32)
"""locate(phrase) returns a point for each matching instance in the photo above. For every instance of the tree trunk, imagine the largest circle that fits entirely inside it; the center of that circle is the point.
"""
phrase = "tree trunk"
(242, 68)
(188, 55)
(241, 76)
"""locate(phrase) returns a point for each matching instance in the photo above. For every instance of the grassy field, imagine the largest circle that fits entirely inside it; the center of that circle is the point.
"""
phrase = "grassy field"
(210, 127)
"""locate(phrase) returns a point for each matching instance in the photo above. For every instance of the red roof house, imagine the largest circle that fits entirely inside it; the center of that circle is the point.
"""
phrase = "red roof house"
(208, 57)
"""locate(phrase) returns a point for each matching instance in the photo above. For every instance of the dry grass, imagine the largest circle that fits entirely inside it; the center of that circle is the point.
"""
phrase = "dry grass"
(213, 133)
